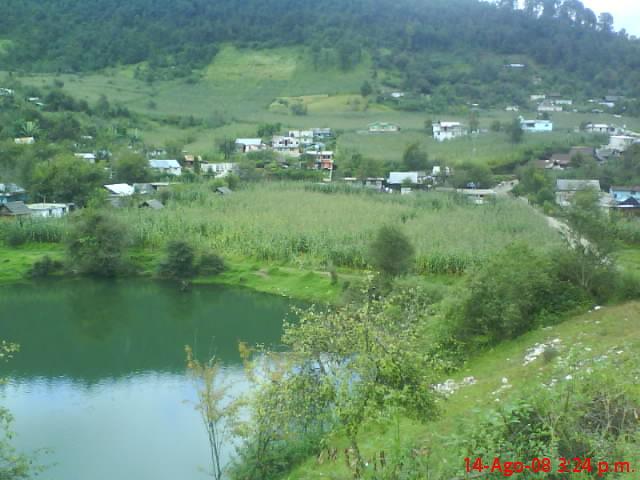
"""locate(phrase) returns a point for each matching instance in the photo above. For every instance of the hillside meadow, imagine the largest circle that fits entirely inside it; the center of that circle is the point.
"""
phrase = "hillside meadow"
(243, 88)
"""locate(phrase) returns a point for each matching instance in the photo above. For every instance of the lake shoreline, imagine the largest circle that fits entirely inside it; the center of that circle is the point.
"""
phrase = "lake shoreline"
(286, 281)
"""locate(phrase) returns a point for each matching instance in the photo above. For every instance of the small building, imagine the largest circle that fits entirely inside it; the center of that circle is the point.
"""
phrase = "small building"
(404, 181)
(152, 203)
(10, 192)
(383, 127)
(397, 95)
(549, 106)
(621, 194)
(6, 92)
(322, 133)
(286, 145)
(246, 145)
(564, 160)
(219, 170)
(512, 108)
(24, 140)
(120, 189)
(166, 167)
(374, 183)
(50, 210)
(602, 128)
(536, 126)
(563, 101)
(304, 136)
(566, 189)
(14, 209)
(323, 160)
(448, 130)
(537, 98)
(143, 188)
(620, 143)
(515, 65)
(88, 157)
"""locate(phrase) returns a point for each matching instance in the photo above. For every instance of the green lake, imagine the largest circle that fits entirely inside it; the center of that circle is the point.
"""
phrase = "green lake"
(100, 378)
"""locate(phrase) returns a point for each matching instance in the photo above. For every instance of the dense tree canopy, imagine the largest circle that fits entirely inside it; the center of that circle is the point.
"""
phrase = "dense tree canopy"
(78, 35)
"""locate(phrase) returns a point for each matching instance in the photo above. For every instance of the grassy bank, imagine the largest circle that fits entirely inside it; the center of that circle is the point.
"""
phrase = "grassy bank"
(611, 334)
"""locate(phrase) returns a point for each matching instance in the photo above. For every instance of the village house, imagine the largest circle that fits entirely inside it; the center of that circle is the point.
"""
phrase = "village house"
(286, 145)
(549, 106)
(143, 188)
(14, 210)
(322, 133)
(166, 167)
(10, 192)
(536, 126)
(512, 108)
(190, 160)
(404, 182)
(304, 136)
(560, 161)
(602, 128)
(537, 98)
(620, 143)
(120, 189)
(448, 130)
(50, 210)
(383, 127)
(323, 160)
(566, 189)
(246, 145)
(24, 140)
(6, 92)
(219, 170)
(563, 101)
(621, 194)
(88, 157)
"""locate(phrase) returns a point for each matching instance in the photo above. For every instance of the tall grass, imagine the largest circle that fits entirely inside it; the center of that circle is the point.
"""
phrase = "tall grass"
(38, 230)
(293, 223)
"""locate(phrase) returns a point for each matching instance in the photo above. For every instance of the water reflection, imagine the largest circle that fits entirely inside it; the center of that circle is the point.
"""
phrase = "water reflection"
(100, 377)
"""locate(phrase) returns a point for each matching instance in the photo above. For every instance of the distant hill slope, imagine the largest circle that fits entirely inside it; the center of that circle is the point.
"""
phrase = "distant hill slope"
(425, 44)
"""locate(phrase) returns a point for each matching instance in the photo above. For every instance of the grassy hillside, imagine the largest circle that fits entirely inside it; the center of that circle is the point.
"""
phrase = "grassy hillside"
(608, 339)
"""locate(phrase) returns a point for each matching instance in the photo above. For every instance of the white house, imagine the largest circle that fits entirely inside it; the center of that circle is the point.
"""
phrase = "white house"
(322, 133)
(49, 210)
(448, 130)
(304, 136)
(24, 140)
(89, 157)
(120, 189)
(219, 170)
(537, 98)
(549, 106)
(286, 145)
(536, 126)
(6, 92)
(620, 143)
(383, 127)
(246, 145)
(167, 167)
(512, 108)
(602, 128)
(563, 101)
(399, 178)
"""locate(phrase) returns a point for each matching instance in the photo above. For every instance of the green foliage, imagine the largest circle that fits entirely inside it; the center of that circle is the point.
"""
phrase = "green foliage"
(66, 179)
(211, 264)
(179, 262)
(468, 174)
(366, 89)
(515, 131)
(132, 168)
(391, 251)
(45, 267)
(97, 244)
(414, 159)
(512, 293)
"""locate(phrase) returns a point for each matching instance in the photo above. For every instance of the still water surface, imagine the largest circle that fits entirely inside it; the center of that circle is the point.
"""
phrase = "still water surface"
(100, 378)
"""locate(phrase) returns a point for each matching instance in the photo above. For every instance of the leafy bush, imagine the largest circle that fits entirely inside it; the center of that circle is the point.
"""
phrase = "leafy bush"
(45, 267)
(97, 244)
(211, 264)
(179, 262)
(391, 252)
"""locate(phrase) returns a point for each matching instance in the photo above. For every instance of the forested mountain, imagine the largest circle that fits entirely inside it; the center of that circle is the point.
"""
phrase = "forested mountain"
(402, 35)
